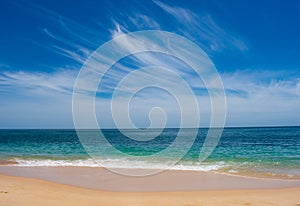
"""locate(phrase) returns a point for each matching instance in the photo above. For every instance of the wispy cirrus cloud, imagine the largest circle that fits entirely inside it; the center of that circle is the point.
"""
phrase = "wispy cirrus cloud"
(251, 101)
(22, 82)
(250, 83)
(265, 84)
(118, 29)
(203, 29)
(142, 21)
(70, 45)
(135, 22)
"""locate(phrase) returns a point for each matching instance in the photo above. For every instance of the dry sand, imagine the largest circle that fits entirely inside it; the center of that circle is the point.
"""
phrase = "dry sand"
(28, 191)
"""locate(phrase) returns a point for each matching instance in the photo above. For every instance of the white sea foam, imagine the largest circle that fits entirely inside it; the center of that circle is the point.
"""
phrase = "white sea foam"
(118, 163)
(220, 166)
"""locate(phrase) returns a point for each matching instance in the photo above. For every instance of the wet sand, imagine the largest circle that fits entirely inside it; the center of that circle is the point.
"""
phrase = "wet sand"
(103, 179)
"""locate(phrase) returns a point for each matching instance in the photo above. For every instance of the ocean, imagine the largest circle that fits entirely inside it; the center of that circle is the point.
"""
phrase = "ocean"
(257, 151)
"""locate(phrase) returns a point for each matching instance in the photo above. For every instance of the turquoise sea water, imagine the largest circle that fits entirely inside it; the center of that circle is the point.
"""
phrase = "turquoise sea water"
(266, 152)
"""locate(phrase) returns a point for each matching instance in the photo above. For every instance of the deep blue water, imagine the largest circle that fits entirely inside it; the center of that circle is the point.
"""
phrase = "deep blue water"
(256, 151)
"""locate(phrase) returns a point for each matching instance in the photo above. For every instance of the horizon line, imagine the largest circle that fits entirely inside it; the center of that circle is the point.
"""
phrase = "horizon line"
(227, 127)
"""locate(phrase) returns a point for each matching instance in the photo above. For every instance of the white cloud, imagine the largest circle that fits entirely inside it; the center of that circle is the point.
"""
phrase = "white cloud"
(61, 81)
(136, 21)
(142, 21)
(68, 45)
(44, 98)
(261, 100)
(182, 15)
(203, 29)
(118, 30)
(256, 83)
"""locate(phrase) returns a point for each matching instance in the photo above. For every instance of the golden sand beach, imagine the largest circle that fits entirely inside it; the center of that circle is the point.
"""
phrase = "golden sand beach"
(30, 192)
(27, 191)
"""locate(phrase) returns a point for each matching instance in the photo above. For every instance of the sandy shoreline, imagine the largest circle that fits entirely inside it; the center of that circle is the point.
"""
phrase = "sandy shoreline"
(98, 186)
(103, 179)
(28, 191)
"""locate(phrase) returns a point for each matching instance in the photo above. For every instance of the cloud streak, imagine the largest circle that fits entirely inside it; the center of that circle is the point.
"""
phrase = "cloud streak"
(251, 102)
(21, 82)
(142, 21)
(203, 29)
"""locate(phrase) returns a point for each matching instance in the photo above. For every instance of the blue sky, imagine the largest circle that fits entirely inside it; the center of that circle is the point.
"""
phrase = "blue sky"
(253, 44)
